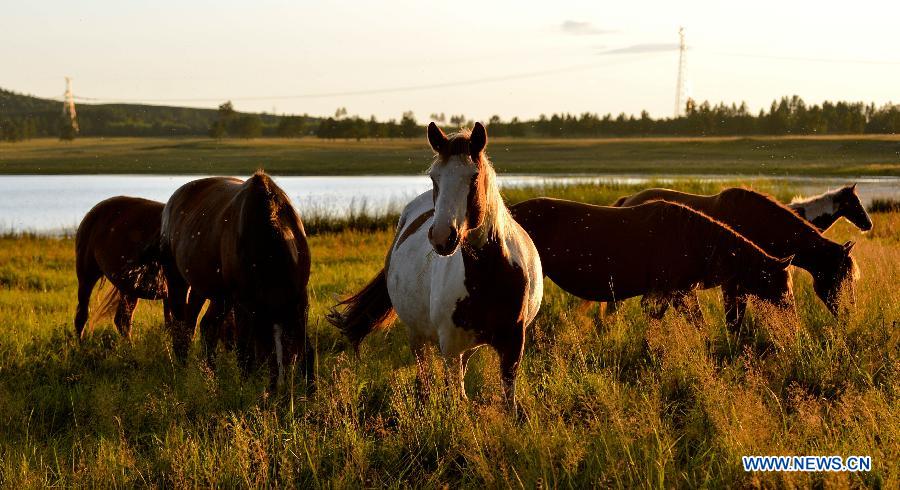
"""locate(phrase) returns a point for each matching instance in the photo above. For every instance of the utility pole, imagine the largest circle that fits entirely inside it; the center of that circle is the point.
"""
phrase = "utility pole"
(68, 109)
(681, 86)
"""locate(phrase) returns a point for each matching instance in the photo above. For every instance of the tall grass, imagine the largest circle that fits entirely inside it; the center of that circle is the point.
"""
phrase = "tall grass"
(624, 402)
(881, 205)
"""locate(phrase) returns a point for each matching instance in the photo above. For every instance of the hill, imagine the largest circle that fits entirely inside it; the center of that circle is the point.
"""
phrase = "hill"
(37, 117)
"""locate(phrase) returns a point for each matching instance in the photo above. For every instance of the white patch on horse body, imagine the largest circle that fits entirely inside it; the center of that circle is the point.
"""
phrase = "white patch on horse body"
(279, 351)
(816, 206)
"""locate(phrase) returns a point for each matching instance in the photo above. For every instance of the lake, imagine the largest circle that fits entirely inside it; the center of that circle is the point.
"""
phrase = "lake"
(55, 204)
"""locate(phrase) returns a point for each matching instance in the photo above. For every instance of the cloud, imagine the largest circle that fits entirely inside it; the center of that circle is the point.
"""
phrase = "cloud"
(642, 48)
(582, 28)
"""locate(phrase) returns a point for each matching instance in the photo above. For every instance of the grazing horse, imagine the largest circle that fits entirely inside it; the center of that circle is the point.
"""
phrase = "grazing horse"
(461, 273)
(777, 230)
(115, 241)
(241, 245)
(825, 209)
(660, 250)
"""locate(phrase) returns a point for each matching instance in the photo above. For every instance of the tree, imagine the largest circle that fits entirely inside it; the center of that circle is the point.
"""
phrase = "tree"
(408, 126)
(246, 126)
(67, 130)
(224, 121)
(291, 127)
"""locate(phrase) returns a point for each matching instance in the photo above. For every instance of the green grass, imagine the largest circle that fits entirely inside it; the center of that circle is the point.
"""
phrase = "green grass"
(622, 403)
(850, 156)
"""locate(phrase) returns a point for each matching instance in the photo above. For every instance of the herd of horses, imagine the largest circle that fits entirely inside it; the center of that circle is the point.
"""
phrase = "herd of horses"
(463, 270)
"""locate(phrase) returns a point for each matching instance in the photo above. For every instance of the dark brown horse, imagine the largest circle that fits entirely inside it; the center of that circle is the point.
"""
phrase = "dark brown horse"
(118, 240)
(777, 230)
(114, 241)
(659, 250)
(241, 245)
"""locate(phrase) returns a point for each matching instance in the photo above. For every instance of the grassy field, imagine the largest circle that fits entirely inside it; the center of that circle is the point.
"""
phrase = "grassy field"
(853, 156)
(625, 402)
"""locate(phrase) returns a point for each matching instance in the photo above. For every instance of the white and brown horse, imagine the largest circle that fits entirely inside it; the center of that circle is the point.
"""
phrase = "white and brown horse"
(826, 208)
(461, 273)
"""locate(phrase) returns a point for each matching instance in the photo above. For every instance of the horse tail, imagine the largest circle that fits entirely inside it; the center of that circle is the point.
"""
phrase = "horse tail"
(108, 303)
(366, 311)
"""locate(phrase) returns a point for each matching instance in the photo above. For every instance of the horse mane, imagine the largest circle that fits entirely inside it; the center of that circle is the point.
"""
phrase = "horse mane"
(495, 212)
(693, 216)
(818, 197)
(280, 222)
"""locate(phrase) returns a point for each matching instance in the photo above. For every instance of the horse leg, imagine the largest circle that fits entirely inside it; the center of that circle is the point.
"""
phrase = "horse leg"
(510, 350)
(88, 273)
(178, 305)
(167, 312)
(276, 359)
(735, 307)
(463, 361)
(655, 305)
(611, 308)
(124, 314)
(244, 343)
(211, 326)
(185, 329)
(309, 363)
(688, 304)
(423, 382)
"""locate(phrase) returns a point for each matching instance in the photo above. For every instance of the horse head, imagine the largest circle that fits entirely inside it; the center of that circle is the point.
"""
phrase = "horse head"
(771, 282)
(848, 204)
(460, 179)
(837, 277)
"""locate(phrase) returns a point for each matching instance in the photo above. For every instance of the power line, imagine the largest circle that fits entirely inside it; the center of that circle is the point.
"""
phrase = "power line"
(801, 58)
(377, 91)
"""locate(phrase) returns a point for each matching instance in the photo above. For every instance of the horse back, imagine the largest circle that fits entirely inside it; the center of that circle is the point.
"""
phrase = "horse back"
(605, 253)
(196, 221)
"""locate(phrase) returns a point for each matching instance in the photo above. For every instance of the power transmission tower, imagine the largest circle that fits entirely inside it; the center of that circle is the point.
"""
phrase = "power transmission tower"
(681, 87)
(68, 109)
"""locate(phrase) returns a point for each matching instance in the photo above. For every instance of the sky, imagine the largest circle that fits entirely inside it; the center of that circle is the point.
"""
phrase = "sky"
(477, 58)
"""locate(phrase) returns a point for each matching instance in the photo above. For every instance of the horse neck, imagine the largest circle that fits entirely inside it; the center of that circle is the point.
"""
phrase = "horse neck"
(821, 210)
(778, 231)
(495, 225)
(818, 255)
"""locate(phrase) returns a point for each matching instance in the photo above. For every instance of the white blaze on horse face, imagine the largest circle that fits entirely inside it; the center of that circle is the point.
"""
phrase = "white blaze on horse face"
(451, 181)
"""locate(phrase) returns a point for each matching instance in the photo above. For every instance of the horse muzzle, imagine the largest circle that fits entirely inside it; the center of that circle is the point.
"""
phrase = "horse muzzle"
(444, 242)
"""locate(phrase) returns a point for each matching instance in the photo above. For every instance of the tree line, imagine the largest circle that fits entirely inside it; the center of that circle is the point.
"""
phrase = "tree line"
(23, 117)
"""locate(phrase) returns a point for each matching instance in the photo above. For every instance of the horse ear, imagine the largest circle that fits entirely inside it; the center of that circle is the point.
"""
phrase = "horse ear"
(853, 187)
(786, 262)
(849, 246)
(478, 139)
(436, 138)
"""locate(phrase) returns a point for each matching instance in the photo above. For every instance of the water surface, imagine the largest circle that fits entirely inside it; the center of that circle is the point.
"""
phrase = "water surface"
(55, 204)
